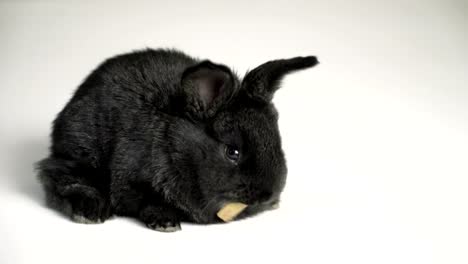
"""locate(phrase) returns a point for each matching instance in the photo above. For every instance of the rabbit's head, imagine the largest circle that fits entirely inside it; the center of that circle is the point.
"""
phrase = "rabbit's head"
(227, 146)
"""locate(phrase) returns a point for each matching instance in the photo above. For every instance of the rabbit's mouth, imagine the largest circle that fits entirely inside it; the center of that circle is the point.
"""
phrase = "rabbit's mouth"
(208, 214)
(256, 208)
(210, 211)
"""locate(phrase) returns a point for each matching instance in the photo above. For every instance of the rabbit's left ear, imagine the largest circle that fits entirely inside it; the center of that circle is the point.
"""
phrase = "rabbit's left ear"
(262, 82)
(207, 87)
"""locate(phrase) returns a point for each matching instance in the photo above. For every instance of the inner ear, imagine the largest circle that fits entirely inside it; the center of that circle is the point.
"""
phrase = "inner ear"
(207, 86)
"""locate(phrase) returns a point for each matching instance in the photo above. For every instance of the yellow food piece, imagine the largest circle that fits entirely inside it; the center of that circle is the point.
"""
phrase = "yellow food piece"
(230, 211)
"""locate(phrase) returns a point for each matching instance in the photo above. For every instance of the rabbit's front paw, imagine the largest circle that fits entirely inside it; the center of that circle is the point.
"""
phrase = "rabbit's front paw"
(84, 220)
(160, 218)
(168, 226)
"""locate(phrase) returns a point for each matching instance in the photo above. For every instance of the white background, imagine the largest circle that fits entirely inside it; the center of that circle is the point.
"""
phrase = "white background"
(376, 136)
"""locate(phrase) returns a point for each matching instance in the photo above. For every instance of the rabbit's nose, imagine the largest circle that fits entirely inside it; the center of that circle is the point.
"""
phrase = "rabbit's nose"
(260, 197)
(264, 196)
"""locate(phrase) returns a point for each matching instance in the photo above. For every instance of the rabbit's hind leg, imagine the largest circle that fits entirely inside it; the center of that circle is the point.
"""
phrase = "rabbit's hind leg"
(69, 192)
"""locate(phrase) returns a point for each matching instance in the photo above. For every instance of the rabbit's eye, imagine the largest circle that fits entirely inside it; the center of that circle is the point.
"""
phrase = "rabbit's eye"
(232, 153)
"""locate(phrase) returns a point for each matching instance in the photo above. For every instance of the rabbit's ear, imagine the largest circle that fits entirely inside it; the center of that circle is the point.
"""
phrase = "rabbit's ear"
(262, 82)
(207, 86)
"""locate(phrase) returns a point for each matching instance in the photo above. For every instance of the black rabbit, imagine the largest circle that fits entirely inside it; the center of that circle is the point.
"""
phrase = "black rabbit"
(163, 137)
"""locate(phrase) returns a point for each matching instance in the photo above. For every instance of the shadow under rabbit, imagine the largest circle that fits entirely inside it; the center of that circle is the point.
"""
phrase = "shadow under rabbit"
(24, 158)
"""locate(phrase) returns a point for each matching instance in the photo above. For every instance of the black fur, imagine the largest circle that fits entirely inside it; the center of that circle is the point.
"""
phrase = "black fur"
(145, 136)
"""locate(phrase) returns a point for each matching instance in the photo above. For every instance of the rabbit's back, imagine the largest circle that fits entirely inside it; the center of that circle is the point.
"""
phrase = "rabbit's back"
(147, 76)
(116, 98)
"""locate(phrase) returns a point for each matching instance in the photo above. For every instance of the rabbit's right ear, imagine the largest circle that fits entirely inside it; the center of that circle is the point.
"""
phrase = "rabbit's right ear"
(207, 86)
